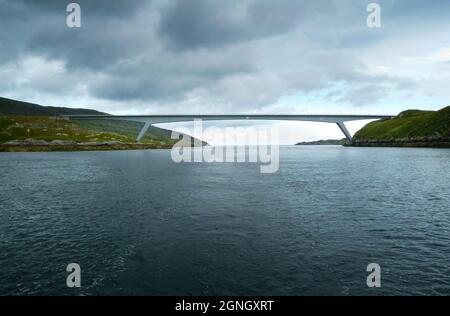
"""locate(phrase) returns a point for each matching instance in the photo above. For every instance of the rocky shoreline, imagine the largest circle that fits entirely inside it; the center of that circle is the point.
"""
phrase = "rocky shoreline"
(428, 141)
(30, 145)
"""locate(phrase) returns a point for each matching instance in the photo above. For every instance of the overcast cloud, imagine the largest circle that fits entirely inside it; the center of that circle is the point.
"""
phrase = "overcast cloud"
(234, 56)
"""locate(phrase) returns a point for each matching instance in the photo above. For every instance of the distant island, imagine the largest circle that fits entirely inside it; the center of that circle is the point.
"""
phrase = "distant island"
(324, 142)
(411, 128)
(31, 127)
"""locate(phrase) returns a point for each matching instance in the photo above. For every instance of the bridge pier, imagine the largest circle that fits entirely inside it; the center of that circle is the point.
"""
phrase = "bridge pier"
(143, 131)
(344, 130)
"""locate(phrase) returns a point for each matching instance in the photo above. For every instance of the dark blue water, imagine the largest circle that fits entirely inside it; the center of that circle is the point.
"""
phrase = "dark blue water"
(137, 223)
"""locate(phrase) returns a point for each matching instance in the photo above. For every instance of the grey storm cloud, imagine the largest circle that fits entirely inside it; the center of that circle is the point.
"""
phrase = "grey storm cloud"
(203, 23)
(235, 53)
(38, 27)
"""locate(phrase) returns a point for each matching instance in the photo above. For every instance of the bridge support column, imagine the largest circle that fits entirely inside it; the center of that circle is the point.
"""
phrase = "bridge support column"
(143, 130)
(344, 130)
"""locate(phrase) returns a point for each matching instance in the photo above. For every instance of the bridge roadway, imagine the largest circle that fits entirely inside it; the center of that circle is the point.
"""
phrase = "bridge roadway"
(156, 119)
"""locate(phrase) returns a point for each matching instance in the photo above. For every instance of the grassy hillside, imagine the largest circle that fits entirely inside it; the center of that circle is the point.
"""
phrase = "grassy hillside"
(19, 108)
(16, 117)
(50, 128)
(57, 128)
(410, 124)
(129, 129)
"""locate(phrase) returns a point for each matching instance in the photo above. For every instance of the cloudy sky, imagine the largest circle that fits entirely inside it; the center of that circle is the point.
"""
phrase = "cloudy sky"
(233, 56)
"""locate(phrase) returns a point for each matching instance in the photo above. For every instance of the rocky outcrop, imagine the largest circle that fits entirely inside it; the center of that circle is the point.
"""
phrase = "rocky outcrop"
(64, 145)
(27, 142)
(426, 141)
(112, 143)
(58, 142)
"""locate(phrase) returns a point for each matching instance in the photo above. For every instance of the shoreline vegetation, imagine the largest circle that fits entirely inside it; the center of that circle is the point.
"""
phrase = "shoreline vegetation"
(411, 128)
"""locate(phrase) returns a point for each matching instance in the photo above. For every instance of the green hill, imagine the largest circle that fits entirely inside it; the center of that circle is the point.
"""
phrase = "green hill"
(409, 128)
(27, 122)
(20, 108)
(51, 128)
(21, 120)
(129, 129)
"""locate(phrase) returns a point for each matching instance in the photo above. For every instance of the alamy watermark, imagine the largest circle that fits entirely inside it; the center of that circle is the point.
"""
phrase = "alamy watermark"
(374, 17)
(74, 17)
(74, 277)
(237, 144)
(374, 277)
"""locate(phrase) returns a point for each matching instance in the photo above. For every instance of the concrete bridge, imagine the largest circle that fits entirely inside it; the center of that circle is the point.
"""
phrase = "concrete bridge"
(156, 119)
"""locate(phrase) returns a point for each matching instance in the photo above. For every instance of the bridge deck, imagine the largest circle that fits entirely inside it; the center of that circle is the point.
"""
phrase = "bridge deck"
(155, 119)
